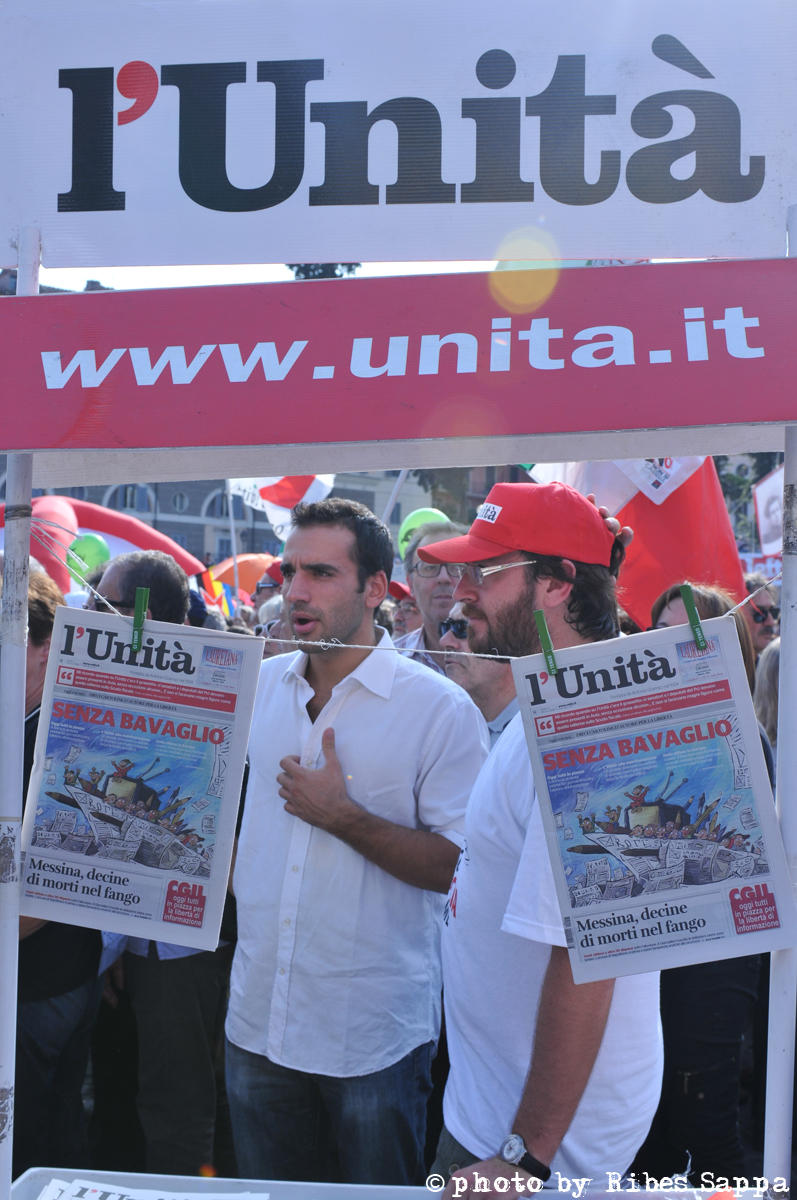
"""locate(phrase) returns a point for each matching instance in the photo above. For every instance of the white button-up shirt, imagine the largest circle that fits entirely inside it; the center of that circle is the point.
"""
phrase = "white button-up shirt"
(337, 967)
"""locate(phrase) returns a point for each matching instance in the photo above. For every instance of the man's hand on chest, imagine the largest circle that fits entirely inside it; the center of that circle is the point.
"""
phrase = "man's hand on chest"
(318, 795)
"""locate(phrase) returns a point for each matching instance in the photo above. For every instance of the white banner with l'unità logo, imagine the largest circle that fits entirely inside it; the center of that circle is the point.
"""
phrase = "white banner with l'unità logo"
(232, 132)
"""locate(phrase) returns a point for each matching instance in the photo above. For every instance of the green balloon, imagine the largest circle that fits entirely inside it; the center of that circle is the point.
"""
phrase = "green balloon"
(421, 516)
(90, 550)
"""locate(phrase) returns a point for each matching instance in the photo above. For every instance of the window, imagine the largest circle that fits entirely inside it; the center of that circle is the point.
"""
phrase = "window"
(216, 506)
(131, 497)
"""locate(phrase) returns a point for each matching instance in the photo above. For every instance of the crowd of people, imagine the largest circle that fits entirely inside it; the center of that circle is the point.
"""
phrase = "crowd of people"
(390, 863)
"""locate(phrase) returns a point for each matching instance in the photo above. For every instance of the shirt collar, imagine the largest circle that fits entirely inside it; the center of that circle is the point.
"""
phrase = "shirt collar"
(376, 672)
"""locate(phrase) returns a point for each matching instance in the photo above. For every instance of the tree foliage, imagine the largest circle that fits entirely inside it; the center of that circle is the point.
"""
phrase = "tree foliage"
(322, 270)
(737, 481)
(448, 489)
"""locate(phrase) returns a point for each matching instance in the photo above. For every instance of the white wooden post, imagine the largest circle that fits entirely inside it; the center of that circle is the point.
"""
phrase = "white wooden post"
(13, 634)
(783, 970)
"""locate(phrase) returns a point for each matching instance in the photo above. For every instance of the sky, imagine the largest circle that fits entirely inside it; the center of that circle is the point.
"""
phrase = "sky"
(134, 278)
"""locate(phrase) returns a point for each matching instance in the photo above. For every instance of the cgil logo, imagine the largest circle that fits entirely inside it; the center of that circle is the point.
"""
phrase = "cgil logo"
(187, 891)
(752, 892)
(564, 110)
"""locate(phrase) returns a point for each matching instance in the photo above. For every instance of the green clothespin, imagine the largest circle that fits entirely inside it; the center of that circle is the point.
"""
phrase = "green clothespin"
(139, 613)
(701, 640)
(545, 641)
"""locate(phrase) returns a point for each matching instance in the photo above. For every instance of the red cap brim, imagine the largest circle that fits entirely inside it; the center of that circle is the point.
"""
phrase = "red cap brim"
(468, 548)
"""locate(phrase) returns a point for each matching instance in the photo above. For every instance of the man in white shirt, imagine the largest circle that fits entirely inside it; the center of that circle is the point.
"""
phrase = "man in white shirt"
(548, 1079)
(361, 762)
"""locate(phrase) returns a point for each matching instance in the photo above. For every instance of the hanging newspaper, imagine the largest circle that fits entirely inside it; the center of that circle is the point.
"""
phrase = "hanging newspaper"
(131, 808)
(656, 802)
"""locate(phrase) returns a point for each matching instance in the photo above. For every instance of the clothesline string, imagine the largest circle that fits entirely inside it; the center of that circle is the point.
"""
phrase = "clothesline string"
(332, 643)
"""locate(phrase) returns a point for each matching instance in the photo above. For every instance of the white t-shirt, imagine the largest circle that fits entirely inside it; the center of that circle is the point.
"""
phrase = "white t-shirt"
(337, 967)
(502, 917)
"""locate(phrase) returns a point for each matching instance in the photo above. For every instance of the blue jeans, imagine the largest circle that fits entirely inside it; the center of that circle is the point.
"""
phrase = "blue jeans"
(299, 1126)
(450, 1156)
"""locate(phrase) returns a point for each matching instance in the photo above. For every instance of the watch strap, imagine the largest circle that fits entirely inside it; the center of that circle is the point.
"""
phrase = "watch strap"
(534, 1167)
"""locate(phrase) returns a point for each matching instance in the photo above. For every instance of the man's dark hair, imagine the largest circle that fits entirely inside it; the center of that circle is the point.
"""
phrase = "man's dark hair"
(167, 583)
(373, 545)
(44, 596)
(592, 605)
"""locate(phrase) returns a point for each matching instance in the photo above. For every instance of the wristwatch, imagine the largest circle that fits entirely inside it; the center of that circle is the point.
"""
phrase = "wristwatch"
(513, 1150)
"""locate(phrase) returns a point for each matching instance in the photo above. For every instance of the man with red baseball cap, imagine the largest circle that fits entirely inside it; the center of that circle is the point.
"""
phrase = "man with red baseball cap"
(407, 615)
(268, 584)
(546, 1076)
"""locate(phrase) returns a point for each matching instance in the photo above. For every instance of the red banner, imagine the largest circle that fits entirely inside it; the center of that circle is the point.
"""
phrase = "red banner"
(665, 346)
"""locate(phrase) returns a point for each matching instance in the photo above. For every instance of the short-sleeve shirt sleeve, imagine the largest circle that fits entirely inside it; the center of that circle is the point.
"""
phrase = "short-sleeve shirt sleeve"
(533, 909)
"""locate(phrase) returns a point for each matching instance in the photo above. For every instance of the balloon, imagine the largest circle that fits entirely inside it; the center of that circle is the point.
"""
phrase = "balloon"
(92, 549)
(63, 528)
(421, 516)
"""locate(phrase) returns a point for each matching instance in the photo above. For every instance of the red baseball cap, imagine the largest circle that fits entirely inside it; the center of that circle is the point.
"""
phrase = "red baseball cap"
(271, 578)
(543, 518)
(399, 591)
(274, 571)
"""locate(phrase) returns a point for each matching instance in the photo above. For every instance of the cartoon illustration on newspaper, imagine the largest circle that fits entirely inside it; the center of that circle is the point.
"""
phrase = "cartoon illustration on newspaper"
(132, 801)
(159, 811)
(632, 819)
(653, 793)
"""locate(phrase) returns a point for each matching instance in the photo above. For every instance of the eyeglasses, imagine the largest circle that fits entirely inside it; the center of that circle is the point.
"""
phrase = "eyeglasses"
(456, 625)
(263, 585)
(97, 603)
(407, 606)
(761, 612)
(428, 570)
(477, 574)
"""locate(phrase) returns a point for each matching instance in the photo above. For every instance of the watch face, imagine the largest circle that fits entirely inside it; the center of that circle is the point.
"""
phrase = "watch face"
(513, 1148)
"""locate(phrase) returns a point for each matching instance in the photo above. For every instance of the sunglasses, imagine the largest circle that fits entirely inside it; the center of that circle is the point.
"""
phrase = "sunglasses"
(265, 630)
(100, 604)
(456, 625)
(761, 612)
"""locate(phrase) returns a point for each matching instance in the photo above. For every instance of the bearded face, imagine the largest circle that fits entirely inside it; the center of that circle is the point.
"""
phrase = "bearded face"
(508, 629)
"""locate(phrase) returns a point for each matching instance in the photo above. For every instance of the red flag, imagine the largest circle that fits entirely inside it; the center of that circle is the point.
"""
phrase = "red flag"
(277, 495)
(681, 525)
